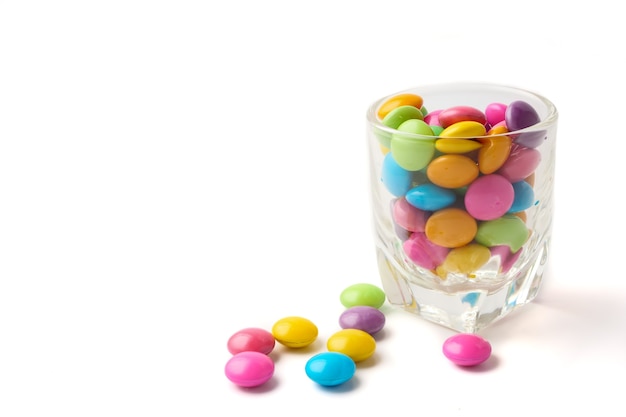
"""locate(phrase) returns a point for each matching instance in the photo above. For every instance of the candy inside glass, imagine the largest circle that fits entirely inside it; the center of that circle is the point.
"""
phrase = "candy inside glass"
(462, 181)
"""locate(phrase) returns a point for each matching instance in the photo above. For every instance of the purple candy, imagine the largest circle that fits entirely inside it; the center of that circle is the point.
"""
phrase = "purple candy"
(368, 319)
(520, 115)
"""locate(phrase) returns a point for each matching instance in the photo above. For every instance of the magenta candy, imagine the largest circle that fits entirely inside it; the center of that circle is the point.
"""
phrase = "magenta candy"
(251, 339)
(494, 113)
(408, 216)
(507, 259)
(366, 318)
(521, 163)
(249, 369)
(457, 114)
(489, 197)
(423, 252)
(466, 349)
(432, 118)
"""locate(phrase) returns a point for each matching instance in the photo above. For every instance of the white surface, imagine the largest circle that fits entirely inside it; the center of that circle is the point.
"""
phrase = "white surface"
(173, 171)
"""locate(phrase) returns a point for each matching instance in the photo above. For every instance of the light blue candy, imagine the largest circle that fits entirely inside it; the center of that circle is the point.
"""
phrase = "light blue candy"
(396, 179)
(524, 197)
(430, 197)
(330, 368)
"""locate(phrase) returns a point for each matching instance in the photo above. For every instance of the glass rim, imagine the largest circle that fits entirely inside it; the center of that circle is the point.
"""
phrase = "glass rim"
(545, 123)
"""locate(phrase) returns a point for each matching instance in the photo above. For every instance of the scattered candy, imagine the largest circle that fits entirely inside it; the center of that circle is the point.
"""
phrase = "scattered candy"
(330, 368)
(251, 339)
(369, 319)
(357, 344)
(294, 331)
(362, 294)
(249, 369)
(466, 349)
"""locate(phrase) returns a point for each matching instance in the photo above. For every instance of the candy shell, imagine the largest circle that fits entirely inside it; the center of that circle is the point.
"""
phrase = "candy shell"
(507, 230)
(356, 344)
(494, 112)
(294, 332)
(466, 349)
(520, 115)
(423, 252)
(507, 259)
(362, 294)
(494, 150)
(409, 152)
(452, 171)
(369, 319)
(400, 115)
(408, 216)
(524, 197)
(432, 118)
(521, 163)
(396, 179)
(251, 339)
(405, 99)
(249, 369)
(453, 145)
(489, 197)
(465, 260)
(430, 197)
(457, 114)
(451, 228)
(330, 369)
(466, 129)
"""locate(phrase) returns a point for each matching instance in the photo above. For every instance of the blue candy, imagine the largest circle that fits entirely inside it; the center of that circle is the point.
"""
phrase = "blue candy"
(396, 179)
(524, 197)
(430, 197)
(330, 368)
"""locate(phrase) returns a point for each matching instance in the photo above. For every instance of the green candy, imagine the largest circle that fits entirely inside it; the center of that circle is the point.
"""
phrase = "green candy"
(409, 152)
(362, 295)
(401, 114)
(507, 230)
(437, 130)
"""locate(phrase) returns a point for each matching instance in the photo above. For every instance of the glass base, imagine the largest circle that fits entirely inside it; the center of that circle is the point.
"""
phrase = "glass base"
(467, 309)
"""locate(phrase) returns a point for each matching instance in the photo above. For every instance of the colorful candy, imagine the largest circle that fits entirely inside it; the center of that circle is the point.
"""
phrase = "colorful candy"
(357, 344)
(462, 196)
(294, 332)
(362, 294)
(369, 319)
(251, 339)
(249, 369)
(466, 349)
(330, 368)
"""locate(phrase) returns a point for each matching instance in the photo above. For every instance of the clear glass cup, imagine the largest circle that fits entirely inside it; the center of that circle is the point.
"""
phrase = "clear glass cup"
(462, 212)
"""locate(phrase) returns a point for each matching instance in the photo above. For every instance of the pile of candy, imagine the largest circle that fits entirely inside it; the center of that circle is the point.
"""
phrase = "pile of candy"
(251, 365)
(461, 189)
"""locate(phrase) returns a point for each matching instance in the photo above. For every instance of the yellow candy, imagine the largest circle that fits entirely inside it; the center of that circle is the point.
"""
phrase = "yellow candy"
(354, 343)
(294, 332)
(465, 260)
(464, 129)
(452, 145)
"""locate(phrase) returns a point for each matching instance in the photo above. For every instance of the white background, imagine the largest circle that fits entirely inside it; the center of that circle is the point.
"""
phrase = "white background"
(173, 171)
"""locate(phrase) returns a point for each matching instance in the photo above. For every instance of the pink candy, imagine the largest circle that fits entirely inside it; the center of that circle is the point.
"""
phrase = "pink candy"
(249, 369)
(466, 349)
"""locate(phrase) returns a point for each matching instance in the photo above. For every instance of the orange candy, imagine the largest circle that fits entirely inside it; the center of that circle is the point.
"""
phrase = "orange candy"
(495, 150)
(451, 228)
(452, 171)
(406, 99)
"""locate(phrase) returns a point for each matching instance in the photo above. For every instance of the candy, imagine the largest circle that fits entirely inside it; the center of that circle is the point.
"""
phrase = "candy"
(430, 197)
(330, 369)
(466, 349)
(494, 112)
(398, 100)
(423, 251)
(520, 115)
(408, 216)
(362, 294)
(294, 332)
(251, 339)
(409, 152)
(369, 319)
(521, 163)
(356, 344)
(489, 197)
(401, 114)
(453, 145)
(464, 129)
(507, 230)
(507, 259)
(452, 171)
(466, 260)
(249, 369)
(458, 114)
(451, 228)
(524, 197)
(396, 179)
(494, 150)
